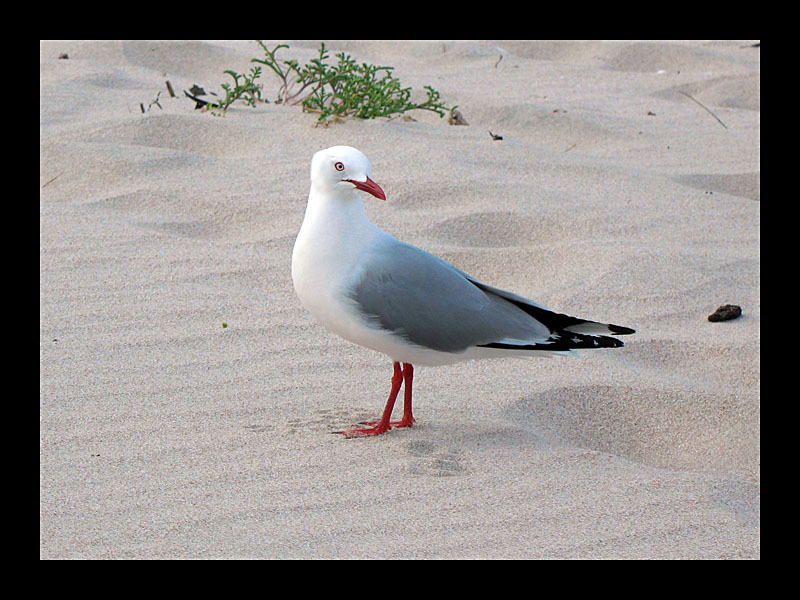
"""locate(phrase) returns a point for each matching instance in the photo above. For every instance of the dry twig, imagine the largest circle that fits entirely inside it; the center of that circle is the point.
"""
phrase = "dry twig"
(704, 108)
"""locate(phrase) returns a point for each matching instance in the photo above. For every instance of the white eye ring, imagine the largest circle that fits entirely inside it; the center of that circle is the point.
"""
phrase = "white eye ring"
(339, 166)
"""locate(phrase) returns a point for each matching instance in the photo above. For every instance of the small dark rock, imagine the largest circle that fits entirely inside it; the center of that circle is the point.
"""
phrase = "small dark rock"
(726, 312)
(456, 118)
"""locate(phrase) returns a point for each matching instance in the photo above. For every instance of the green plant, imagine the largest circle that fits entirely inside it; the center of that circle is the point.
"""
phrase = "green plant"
(345, 89)
(244, 88)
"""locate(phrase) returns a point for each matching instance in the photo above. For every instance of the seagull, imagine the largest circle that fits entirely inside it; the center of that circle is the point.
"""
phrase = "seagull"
(374, 290)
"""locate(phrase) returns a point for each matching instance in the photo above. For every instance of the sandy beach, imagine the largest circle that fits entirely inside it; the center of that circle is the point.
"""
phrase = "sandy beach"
(187, 399)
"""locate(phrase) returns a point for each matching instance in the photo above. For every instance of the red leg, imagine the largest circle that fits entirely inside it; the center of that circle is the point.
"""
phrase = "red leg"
(384, 424)
(408, 417)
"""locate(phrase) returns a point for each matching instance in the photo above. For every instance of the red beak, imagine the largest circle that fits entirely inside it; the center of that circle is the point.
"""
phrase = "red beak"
(370, 187)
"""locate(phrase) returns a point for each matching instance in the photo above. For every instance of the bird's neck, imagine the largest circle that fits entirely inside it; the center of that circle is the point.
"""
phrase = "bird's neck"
(336, 214)
(335, 235)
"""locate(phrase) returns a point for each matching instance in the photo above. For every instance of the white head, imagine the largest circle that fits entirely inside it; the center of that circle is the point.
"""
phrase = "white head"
(341, 168)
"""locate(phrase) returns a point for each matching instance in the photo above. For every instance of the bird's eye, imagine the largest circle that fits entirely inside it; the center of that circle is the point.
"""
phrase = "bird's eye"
(339, 166)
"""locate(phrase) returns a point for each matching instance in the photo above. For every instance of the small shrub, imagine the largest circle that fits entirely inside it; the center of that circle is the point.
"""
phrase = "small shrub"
(344, 89)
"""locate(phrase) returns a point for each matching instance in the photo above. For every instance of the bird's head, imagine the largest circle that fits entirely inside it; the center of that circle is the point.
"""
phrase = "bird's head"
(340, 168)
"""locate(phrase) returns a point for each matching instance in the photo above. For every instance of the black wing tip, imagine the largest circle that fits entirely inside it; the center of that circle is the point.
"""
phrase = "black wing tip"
(556, 322)
(620, 330)
(573, 341)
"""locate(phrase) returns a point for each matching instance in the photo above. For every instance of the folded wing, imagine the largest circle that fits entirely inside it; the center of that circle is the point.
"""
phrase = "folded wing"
(430, 303)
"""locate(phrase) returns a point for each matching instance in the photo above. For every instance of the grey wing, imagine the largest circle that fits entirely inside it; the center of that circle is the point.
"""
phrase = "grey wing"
(432, 304)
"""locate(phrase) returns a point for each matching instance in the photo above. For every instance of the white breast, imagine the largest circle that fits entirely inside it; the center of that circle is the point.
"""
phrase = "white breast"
(328, 252)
